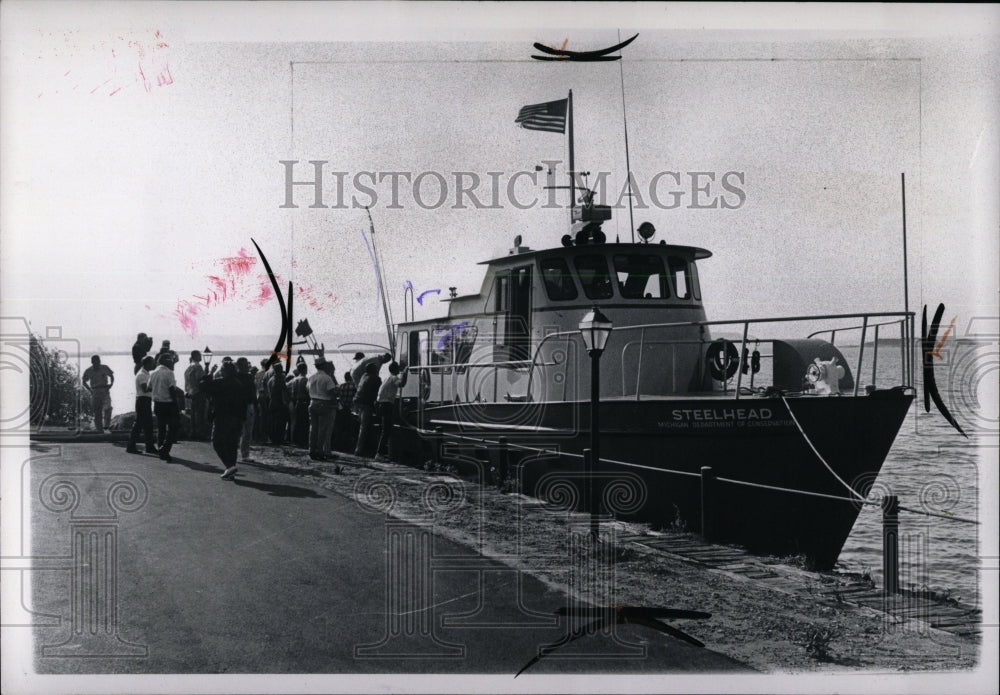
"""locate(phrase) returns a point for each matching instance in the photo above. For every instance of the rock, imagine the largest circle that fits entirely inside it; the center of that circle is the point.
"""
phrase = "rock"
(125, 421)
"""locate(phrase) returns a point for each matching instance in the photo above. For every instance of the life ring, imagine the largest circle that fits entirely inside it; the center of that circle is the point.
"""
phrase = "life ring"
(425, 384)
(723, 359)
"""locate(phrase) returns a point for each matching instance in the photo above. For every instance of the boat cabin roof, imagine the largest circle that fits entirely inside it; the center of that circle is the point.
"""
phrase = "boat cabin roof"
(522, 253)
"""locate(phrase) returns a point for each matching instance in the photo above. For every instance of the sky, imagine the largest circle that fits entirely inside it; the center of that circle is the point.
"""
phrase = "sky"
(142, 153)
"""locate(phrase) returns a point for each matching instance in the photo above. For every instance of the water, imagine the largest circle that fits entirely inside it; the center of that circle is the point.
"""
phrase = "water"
(930, 467)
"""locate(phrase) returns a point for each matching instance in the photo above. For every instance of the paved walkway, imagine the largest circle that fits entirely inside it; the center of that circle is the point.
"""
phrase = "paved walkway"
(173, 570)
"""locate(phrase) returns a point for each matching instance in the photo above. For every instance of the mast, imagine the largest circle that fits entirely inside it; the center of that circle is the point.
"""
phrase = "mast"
(572, 169)
(288, 330)
(906, 282)
(628, 165)
(381, 286)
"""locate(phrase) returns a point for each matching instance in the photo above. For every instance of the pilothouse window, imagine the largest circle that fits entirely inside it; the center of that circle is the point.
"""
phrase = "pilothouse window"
(593, 272)
(641, 276)
(558, 280)
(680, 277)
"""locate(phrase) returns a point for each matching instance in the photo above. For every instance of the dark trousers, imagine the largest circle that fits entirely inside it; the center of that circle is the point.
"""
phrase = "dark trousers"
(166, 425)
(261, 430)
(387, 413)
(322, 416)
(300, 422)
(364, 430)
(143, 424)
(226, 438)
(344, 428)
(277, 421)
(199, 416)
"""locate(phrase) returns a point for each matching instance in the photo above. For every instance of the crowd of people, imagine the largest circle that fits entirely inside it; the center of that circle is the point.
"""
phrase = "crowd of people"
(237, 404)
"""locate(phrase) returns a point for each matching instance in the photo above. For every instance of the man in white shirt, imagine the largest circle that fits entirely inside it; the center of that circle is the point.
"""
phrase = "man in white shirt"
(386, 403)
(143, 410)
(163, 387)
(322, 410)
(361, 367)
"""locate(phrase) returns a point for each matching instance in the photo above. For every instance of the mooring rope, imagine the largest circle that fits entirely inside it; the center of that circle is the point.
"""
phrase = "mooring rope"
(857, 498)
(818, 455)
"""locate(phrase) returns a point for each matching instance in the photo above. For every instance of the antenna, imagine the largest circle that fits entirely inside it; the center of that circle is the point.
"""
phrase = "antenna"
(628, 165)
(906, 282)
(381, 285)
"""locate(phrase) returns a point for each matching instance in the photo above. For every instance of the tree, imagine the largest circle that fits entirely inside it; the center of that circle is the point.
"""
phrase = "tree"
(56, 394)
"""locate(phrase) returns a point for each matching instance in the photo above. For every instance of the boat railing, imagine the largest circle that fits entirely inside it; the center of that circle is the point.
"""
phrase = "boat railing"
(870, 320)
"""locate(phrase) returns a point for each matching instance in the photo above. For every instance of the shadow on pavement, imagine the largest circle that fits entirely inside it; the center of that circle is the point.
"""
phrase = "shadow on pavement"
(196, 466)
(280, 490)
(290, 470)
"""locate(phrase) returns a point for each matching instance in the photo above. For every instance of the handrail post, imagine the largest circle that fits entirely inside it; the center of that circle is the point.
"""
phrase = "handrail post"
(861, 354)
(875, 357)
(739, 361)
(638, 371)
(890, 543)
(707, 511)
(902, 351)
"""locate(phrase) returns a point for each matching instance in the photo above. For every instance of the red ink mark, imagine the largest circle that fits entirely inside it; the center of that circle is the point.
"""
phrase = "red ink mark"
(100, 85)
(238, 265)
(115, 92)
(937, 350)
(145, 83)
(186, 313)
(67, 73)
(164, 78)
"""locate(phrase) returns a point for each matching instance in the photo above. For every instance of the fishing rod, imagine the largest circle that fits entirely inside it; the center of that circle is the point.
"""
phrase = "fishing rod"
(381, 285)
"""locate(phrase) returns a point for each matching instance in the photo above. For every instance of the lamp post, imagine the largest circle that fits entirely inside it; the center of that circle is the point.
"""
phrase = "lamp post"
(595, 329)
(207, 354)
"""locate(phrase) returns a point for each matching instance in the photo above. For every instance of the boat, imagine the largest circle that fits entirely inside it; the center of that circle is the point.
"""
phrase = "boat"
(761, 431)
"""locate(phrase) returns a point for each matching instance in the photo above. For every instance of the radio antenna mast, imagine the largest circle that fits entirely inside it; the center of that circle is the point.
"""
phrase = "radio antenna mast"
(628, 165)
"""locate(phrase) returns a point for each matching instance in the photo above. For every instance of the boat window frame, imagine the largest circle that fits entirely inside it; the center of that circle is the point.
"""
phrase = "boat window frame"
(673, 264)
(566, 280)
(587, 287)
(416, 359)
(664, 278)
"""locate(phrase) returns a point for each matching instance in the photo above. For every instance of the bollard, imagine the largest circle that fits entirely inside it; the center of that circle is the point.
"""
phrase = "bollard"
(707, 512)
(890, 543)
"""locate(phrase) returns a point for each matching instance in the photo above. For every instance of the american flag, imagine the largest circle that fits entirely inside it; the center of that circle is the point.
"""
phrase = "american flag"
(550, 116)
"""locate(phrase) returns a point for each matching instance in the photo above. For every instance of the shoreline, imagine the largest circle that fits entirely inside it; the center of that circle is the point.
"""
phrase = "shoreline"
(766, 613)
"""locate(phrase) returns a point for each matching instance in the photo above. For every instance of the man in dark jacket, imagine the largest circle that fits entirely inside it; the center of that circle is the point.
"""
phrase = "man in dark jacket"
(230, 396)
(364, 401)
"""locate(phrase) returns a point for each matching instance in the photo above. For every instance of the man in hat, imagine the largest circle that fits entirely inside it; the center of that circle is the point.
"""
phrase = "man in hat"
(277, 398)
(298, 406)
(165, 350)
(322, 410)
(196, 397)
